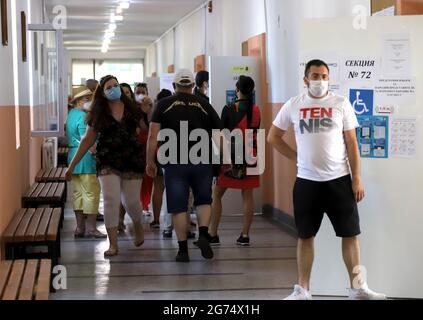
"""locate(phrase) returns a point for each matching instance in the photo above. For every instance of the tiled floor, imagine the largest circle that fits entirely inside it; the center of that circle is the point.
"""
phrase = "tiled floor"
(265, 270)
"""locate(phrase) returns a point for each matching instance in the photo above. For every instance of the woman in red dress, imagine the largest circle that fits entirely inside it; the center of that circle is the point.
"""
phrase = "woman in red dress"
(243, 115)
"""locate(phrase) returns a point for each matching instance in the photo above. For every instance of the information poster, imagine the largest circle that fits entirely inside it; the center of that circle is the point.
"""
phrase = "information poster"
(373, 136)
(395, 92)
(365, 70)
(403, 137)
(396, 60)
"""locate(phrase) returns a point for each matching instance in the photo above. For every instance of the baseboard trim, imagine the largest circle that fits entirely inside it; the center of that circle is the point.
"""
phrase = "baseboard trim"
(283, 220)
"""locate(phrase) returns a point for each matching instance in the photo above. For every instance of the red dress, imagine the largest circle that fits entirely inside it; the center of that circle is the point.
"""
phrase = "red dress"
(147, 181)
(249, 182)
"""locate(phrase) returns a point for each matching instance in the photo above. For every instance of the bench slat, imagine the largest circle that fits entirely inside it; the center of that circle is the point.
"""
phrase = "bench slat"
(36, 192)
(29, 192)
(33, 226)
(23, 226)
(5, 267)
(45, 191)
(62, 176)
(43, 225)
(52, 173)
(40, 175)
(59, 191)
(53, 226)
(43, 285)
(9, 234)
(52, 191)
(12, 289)
(28, 282)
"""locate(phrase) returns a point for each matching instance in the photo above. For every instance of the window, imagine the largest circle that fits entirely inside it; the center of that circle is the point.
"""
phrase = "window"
(129, 71)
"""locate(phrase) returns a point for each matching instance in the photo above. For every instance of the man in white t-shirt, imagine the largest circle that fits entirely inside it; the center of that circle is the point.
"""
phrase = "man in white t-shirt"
(327, 150)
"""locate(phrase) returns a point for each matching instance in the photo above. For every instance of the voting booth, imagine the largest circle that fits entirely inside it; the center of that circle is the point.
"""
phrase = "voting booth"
(380, 69)
(224, 74)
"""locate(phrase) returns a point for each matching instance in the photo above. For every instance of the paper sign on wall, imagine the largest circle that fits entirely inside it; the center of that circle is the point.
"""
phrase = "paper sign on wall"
(400, 92)
(373, 136)
(396, 60)
(403, 137)
(362, 101)
(358, 69)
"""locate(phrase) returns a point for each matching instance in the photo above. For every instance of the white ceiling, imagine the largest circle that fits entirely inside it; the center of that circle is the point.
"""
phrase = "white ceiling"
(144, 22)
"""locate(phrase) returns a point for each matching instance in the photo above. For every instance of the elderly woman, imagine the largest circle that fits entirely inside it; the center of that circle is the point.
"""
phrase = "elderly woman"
(86, 194)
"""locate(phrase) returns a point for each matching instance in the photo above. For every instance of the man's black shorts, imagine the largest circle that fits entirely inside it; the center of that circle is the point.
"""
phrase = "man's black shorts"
(335, 198)
(180, 178)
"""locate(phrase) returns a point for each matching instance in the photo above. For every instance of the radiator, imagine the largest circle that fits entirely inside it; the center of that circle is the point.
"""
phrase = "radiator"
(49, 158)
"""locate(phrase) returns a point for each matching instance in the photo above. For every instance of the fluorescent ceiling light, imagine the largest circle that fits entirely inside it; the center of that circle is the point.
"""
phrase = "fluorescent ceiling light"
(124, 4)
(112, 18)
(109, 35)
(112, 26)
(119, 10)
(119, 18)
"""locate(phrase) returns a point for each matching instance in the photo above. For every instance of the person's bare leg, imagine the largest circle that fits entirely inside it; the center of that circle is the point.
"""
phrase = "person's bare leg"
(80, 222)
(305, 257)
(113, 240)
(180, 225)
(351, 255)
(248, 204)
(91, 227)
(216, 210)
(158, 197)
(122, 213)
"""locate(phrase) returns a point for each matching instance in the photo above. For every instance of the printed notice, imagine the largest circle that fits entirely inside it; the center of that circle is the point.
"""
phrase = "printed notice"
(373, 136)
(403, 137)
(362, 69)
(395, 92)
(396, 61)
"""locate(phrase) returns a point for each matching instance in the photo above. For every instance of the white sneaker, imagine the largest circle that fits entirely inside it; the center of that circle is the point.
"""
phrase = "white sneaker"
(299, 294)
(365, 294)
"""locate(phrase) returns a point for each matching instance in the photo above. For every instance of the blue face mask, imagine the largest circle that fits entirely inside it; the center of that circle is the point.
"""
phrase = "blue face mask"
(114, 94)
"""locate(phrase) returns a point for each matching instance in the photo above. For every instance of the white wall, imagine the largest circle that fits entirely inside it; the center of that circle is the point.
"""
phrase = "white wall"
(166, 51)
(231, 23)
(190, 40)
(6, 63)
(283, 25)
(151, 60)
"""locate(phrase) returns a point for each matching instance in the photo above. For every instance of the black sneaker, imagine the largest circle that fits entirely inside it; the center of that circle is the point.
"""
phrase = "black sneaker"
(204, 245)
(243, 241)
(167, 234)
(213, 240)
(182, 257)
(191, 235)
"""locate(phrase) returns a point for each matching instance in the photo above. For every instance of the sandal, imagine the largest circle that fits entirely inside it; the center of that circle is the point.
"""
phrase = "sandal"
(95, 235)
(79, 234)
(111, 253)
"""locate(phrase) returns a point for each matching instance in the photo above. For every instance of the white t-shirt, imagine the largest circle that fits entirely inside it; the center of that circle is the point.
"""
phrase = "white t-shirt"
(319, 125)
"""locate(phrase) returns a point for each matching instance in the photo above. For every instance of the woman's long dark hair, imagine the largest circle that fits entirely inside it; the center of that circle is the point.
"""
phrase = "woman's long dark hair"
(246, 86)
(200, 78)
(98, 116)
(127, 86)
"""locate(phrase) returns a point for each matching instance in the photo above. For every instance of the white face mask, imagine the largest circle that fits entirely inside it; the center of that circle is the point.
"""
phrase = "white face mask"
(87, 106)
(139, 98)
(318, 88)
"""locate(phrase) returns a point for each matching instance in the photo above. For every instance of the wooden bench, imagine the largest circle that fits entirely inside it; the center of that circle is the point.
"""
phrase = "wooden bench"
(53, 175)
(62, 156)
(25, 279)
(51, 194)
(32, 229)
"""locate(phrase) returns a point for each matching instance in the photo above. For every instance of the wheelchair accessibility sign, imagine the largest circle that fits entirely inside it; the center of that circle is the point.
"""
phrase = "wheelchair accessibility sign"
(362, 101)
